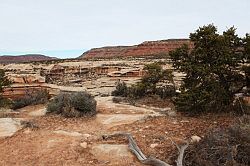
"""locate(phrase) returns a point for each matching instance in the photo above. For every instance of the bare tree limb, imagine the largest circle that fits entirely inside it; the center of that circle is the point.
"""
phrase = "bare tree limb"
(150, 160)
(143, 159)
(181, 152)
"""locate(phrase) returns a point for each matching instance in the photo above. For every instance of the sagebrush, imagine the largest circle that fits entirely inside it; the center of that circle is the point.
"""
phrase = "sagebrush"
(31, 97)
(75, 104)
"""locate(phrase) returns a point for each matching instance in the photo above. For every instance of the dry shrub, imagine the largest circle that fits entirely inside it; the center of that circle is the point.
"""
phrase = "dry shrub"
(229, 147)
(121, 89)
(4, 102)
(76, 104)
(32, 97)
(117, 99)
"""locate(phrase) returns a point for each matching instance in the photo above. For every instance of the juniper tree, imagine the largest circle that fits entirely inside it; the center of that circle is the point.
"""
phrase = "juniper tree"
(213, 69)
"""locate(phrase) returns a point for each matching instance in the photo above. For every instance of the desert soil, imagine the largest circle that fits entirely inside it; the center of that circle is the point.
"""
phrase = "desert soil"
(34, 138)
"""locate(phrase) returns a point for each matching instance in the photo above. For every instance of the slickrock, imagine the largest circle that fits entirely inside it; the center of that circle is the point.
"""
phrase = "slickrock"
(9, 126)
(112, 153)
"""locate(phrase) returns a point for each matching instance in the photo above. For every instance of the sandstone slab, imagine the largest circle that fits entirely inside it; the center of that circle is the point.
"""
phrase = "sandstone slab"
(39, 112)
(9, 126)
(118, 119)
(112, 153)
(67, 133)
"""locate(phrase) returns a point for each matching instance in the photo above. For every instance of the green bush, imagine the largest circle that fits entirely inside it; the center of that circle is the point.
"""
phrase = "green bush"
(166, 91)
(4, 102)
(148, 84)
(138, 90)
(121, 89)
(32, 97)
(76, 104)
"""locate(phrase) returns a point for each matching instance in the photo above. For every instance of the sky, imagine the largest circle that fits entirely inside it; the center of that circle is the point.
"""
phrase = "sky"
(67, 28)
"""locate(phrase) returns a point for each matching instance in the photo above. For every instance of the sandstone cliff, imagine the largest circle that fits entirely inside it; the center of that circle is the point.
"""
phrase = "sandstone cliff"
(144, 49)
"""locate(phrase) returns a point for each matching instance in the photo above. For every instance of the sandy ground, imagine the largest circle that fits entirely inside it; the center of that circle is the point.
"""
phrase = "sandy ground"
(54, 140)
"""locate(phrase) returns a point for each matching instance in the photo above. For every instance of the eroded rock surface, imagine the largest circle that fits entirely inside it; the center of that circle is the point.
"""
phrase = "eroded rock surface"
(67, 133)
(39, 112)
(9, 126)
(112, 153)
(118, 119)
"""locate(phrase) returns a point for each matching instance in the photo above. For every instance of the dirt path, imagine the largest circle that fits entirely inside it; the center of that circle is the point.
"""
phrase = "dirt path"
(54, 140)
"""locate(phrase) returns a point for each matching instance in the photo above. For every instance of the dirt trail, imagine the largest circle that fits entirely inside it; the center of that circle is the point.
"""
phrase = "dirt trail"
(53, 140)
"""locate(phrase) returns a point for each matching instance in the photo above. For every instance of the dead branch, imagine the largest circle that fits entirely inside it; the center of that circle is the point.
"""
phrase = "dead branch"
(181, 152)
(141, 157)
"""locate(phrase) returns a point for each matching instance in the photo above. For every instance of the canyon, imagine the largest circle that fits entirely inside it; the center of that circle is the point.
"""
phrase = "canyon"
(29, 136)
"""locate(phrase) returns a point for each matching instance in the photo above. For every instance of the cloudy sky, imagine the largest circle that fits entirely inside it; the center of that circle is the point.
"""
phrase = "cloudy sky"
(66, 28)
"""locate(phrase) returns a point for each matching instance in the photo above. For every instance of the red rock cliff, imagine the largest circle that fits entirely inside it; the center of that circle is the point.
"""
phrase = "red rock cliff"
(143, 49)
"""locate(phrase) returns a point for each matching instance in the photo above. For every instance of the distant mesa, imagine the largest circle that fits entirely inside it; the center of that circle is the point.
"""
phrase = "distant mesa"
(148, 48)
(24, 58)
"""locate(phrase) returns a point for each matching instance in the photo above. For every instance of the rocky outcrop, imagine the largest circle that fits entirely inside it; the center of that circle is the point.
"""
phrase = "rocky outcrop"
(26, 78)
(24, 58)
(157, 47)
(16, 91)
(143, 49)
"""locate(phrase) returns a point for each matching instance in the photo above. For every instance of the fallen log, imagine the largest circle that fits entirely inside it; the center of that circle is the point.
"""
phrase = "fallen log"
(150, 160)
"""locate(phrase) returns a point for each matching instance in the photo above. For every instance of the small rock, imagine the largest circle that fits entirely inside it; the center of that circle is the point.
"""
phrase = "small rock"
(174, 122)
(195, 138)
(153, 146)
(28, 131)
(86, 136)
(171, 113)
(84, 145)
(66, 133)
(185, 121)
